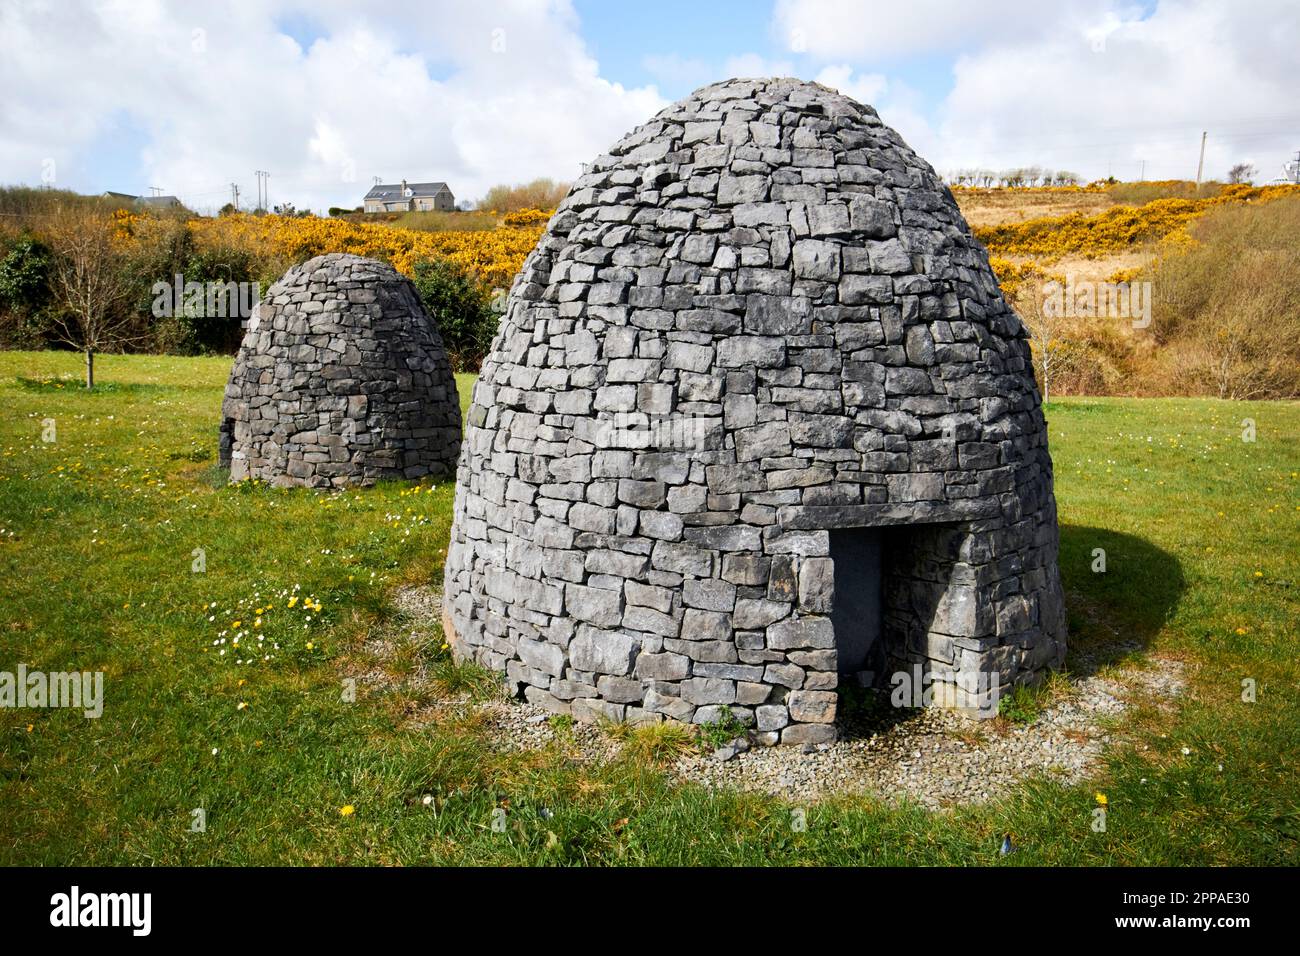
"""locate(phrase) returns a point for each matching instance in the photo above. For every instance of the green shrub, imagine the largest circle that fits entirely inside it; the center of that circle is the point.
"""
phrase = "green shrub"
(25, 274)
(1021, 706)
(25, 294)
(561, 723)
(726, 728)
(461, 307)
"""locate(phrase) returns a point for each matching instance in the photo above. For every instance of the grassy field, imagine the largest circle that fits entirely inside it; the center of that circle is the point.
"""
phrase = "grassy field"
(992, 207)
(97, 547)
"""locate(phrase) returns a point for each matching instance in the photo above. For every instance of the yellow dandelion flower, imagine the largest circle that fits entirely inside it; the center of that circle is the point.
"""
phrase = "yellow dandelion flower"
(1101, 799)
(347, 811)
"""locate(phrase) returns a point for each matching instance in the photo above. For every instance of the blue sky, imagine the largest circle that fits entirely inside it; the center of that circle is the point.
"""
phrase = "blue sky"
(628, 37)
(327, 94)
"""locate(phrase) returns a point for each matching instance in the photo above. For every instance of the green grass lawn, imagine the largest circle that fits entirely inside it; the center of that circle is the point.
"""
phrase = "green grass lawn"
(97, 549)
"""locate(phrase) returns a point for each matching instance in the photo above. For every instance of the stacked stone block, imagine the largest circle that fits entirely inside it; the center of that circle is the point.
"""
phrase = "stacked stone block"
(342, 379)
(759, 318)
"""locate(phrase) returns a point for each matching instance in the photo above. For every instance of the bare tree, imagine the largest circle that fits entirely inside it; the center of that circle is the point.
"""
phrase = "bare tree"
(91, 281)
(1241, 173)
(1041, 308)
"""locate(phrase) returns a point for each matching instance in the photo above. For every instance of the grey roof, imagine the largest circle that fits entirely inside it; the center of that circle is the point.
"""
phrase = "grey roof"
(393, 191)
(143, 200)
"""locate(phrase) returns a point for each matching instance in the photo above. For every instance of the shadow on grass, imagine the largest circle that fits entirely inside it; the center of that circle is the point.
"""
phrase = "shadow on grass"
(77, 386)
(1119, 611)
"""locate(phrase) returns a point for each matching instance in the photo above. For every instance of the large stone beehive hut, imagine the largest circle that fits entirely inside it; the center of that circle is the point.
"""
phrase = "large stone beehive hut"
(757, 422)
(342, 378)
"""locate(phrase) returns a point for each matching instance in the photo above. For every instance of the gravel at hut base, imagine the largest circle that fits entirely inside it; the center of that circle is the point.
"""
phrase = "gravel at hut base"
(931, 757)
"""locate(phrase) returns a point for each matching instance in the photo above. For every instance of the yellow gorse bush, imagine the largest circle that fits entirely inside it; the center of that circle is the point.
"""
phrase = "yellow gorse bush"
(527, 217)
(1013, 275)
(1122, 227)
(125, 223)
(493, 256)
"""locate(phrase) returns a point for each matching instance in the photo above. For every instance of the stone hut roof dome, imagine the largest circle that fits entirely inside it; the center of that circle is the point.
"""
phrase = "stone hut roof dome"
(755, 385)
(342, 378)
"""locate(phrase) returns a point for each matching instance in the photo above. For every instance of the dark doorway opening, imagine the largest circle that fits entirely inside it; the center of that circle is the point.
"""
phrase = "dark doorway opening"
(889, 582)
(858, 612)
(225, 442)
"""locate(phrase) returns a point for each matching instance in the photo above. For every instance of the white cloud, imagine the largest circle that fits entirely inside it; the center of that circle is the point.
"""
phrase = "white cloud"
(465, 93)
(864, 87)
(1105, 98)
(833, 29)
(1092, 86)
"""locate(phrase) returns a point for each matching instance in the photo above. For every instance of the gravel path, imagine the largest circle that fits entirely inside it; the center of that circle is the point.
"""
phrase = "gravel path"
(932, 757)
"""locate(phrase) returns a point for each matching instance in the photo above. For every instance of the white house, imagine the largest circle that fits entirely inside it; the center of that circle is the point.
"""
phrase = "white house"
(409, 197)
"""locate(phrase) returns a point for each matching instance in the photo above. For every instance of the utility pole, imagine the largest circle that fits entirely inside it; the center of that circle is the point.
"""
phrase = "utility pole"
(156, 190)
(263, 188)
(234, 195)
(1200, 166)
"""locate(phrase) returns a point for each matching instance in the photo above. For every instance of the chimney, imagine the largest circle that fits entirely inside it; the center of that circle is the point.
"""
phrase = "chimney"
(403, 187)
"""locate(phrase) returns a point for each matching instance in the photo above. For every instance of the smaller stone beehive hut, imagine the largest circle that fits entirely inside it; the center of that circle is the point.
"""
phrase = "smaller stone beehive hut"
(342, 378)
